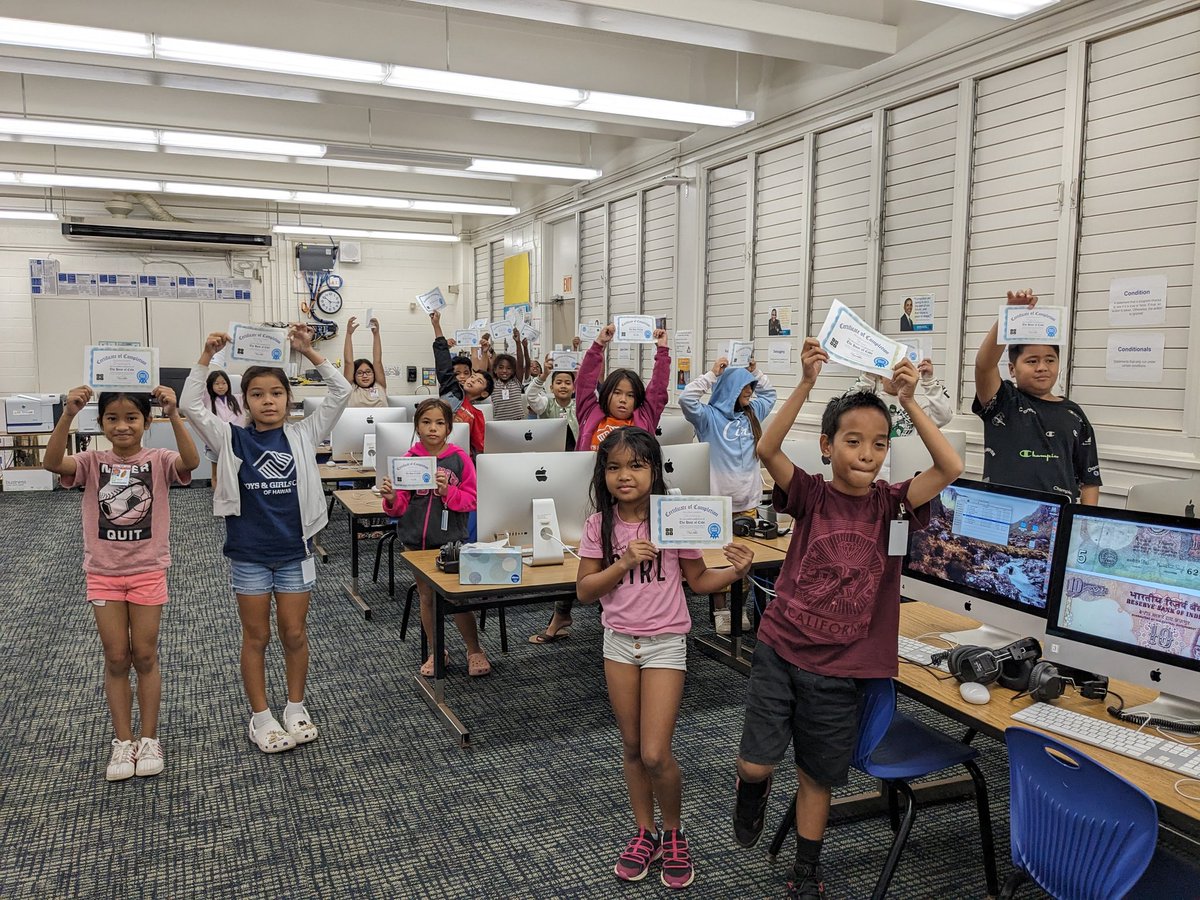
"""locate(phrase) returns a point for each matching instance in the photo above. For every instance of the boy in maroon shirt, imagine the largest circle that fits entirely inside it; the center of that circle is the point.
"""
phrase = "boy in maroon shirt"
(836, 617)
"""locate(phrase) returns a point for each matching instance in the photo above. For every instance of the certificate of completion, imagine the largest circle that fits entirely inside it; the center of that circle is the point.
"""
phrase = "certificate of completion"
(254, 343)
(432, 301)
(466, 337)
(690, 523)
(589, 331)
(120, 368)
(565, 360)
(413, 473)
(634, 329)
(1030, 324)
(851, 342)
(739, 353)
(500, 330)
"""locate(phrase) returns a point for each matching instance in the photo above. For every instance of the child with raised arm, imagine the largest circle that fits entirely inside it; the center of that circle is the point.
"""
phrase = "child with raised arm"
(836, 615)
(1032, 438)
(560, 403)
(931, 395)
(269, 492)
(126, 526)
(367, 376)
(436, 516)
(646, 622)
(460, 388)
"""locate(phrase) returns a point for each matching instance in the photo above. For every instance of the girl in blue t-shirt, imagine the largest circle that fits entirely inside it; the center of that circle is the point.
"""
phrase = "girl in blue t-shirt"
(268, 489)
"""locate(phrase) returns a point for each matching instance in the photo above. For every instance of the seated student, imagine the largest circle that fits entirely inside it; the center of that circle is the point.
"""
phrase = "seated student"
(460, 389)
(508, 396)
(367, 376)
(1032, 438)
(932, 397)
(836, 615)
(561, 402)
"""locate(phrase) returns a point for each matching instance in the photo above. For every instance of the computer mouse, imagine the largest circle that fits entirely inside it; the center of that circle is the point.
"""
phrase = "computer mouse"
(974, 692)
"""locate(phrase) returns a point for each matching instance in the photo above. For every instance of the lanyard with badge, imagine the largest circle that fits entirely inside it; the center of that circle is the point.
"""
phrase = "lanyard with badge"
(120, 474)
(898, 534)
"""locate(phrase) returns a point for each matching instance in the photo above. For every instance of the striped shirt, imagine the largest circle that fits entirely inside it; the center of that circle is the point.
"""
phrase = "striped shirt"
(508, 401)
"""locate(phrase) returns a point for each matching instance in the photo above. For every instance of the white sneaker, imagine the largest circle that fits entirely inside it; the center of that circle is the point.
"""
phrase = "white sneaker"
(121, 762)
(149, 757)
(300, 727)
(746, 624)
(271, 738)
(722, 621)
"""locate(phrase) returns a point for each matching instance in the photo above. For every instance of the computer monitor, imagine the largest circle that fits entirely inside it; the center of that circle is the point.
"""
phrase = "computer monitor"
(311, 404)
(174, 377)
(354, 424)
(408, 401)
(674, 430)
(1125, 601)
(908, 455)
(1174, 497)
(526, 436)
(986, 553)
(509, 483)
(486, 410)
(806, 453)
(394, 439)
(685, 468)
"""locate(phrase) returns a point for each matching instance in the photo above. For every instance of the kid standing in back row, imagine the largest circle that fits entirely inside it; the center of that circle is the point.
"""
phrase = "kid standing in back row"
(269, 491)
(836, 616)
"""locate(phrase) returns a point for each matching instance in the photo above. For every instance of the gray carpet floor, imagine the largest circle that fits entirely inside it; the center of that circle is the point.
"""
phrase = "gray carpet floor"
(383, 804)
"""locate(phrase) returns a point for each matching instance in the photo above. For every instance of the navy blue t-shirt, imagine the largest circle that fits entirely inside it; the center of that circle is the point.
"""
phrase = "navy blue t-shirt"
(269, 529)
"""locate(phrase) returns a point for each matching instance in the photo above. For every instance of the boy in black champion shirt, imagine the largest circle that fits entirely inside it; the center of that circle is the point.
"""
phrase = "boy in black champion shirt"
(1032, 438)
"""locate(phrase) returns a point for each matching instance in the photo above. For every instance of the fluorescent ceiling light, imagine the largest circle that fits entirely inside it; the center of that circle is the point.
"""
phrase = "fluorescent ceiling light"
(8, 177)
(50, 179)
(28, 214)
(232, 143)
(453, 206)
(669, 110)
(322, 198)
(261, 59)
(1008, 9)
(227, 190)
(77, 131)
(539, 170)
(52, 35)
(482, 86)
(317, 231)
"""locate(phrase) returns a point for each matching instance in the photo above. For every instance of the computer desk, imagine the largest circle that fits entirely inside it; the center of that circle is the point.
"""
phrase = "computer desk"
(364, 509)
(993, 718)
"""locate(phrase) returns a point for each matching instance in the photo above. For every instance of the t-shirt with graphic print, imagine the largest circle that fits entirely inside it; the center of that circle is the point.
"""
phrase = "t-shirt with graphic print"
(606, 427)
(837, 612)
(126, 519)
(1041, 445)
(268, 529)
(649, 600)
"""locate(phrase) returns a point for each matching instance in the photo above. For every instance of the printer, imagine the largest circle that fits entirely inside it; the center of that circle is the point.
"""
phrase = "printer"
(32, 413)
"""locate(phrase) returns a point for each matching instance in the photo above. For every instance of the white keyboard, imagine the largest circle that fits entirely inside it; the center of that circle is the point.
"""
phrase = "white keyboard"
(1144, 745)
(918, 652)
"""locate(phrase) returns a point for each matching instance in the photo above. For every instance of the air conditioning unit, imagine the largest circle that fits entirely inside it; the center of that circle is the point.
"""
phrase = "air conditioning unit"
(166, 235)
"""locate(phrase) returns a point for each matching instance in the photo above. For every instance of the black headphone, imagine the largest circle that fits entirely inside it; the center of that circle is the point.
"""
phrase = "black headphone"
(984, 665)
(447, 559)
(744, 526)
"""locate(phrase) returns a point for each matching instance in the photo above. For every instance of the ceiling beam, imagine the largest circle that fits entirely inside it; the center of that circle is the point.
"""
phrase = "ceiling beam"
(748, 26)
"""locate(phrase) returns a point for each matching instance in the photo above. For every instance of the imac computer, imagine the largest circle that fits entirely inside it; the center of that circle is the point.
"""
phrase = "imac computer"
(986, 553)
(908, 455)
(312, 404)
(1125, 601)
(1176, 497)
(806, 454)
(408, 401)
(526, 436)
(510, 484)
(674, 430)
(355, 424)
(394, 439)
(685, 469)
(486, 410)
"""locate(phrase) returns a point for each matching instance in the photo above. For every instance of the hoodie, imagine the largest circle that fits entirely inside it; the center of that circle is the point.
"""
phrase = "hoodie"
(420, 512)
(731, 451)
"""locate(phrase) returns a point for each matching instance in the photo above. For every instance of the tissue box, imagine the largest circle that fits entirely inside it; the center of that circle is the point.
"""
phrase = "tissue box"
(489, 565)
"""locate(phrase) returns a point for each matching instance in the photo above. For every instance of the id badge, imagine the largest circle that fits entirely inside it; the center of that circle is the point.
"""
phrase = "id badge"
(308, 569)
(120, 476)
(504, 394)
(898, 537)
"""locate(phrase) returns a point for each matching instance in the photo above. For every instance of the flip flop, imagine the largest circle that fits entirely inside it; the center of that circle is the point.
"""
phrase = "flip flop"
(546, 637)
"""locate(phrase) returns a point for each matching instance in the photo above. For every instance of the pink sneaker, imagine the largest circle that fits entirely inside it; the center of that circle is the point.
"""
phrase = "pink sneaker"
(634, 861)
(677, 871)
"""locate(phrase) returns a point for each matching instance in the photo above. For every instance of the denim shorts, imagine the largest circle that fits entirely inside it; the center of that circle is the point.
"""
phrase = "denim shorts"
(262, 578)
(659, 651)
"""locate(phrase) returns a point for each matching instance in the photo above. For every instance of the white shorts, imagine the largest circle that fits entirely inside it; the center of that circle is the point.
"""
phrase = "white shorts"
(659, 651)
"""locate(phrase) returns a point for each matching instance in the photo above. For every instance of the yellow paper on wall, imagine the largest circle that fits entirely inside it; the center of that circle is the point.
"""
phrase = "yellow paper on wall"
(516, 279)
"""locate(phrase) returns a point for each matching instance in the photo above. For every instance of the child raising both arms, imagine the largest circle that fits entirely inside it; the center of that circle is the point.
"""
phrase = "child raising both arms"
(269, 492)
(126, 526)
(560, 404)
(836, 615)
(646, 622)
(459, 386)
(436, 516)
(367, 376)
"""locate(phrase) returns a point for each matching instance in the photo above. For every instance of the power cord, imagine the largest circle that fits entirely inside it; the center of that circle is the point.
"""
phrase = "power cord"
(1143, 719)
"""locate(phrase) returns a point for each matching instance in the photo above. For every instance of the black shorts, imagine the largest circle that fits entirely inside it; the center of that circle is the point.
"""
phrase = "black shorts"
(817, 713)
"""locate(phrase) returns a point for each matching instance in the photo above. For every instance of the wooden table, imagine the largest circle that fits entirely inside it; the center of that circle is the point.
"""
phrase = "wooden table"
(994, 717)
(364, 509)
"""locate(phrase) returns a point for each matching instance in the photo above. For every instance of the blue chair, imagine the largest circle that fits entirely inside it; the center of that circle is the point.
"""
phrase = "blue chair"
(897, 749)
(1079, 830)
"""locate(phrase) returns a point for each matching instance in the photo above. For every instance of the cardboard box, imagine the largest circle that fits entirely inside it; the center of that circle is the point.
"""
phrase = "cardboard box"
(28, 480)
(490, 565)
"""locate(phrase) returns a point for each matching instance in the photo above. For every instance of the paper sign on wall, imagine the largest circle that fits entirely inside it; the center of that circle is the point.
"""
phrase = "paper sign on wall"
(779, 321)
(624, 353)
(683, 343)
(1140, 300)
(1135, 356)
(916, 313)
(779, 356)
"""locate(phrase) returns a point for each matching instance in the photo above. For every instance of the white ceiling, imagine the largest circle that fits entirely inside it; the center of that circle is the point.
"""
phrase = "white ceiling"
(752, 54)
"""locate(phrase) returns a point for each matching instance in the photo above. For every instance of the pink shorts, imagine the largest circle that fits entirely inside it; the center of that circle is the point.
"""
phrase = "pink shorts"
(144, 589)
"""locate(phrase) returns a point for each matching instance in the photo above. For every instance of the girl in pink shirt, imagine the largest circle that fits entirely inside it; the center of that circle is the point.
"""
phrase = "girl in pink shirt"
(646, 622)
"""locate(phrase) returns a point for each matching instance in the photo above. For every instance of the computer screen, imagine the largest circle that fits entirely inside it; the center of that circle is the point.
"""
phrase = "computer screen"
(354, 424)
(1125, 598)
(674, 430)
(174, 377)
(686, 469)
(986, 553)
(395, 438)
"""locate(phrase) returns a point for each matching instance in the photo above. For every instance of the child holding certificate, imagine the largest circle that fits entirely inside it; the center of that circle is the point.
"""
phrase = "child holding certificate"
(366, 375)
(646, 622)
(560, 403)
(1032, 438)
(126, 524)
(836, 615)
(459, 386)
(431, 517)
(268, 489)
(731, 424)
(508, 393)
(623, 400)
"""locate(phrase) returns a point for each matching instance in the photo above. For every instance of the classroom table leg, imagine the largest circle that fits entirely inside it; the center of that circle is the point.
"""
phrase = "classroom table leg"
(352, 585)
(434, 693)
(728, 650)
